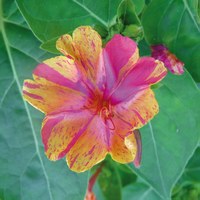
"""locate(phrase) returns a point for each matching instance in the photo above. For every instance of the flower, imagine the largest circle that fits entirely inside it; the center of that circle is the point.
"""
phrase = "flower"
(94, 98)
(161, 53)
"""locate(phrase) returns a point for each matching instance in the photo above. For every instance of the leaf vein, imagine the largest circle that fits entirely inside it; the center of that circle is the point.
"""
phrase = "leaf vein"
(15, 75)
(157, 159)
(90, 12)
(191, 15)
(6, 92)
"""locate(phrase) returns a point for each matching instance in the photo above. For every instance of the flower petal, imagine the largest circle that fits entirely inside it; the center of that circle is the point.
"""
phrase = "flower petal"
(86, 47)
(65, 45)
(91, 148)
(59, 70)
(161, 53)
(120, 54)
(121, 151)
(138, 110)
(51, 97)
(80, 135)
(128, 116)
(146, 72)
(61, 131)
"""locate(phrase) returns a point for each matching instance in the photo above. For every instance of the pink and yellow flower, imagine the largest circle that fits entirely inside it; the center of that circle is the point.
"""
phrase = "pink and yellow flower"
(94, 98)
(161, 53)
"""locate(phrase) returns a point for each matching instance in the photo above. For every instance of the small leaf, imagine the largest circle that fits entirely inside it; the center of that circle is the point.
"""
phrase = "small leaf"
(127, 16)
(50, 46)
(126, 13)
(133, 31)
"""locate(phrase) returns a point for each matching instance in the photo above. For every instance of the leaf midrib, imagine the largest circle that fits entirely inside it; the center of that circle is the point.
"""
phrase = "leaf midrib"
(157, 160)
(15, 76)
(186, 8)
(91, 13)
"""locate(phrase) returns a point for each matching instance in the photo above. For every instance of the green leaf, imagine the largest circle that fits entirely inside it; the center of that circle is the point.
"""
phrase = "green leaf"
(139, 191)
(25, 172)
(144, 48)
(192, 170)
(52, 18)
(126, 175)
(172, 136)
(109, 181)
(177, 25)
(50, 46)
(128, 18)
(139, 5)
(126, 13)
(189, 183)
(133, 31)
(199, 8)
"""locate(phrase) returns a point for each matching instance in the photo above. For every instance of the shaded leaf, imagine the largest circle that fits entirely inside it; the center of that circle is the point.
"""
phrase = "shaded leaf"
(188, 186)
(25, 172)
(126, 175)
(109, 181)
(192, 170)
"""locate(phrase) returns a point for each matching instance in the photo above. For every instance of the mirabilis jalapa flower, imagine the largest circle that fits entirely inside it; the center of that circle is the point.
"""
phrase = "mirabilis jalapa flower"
(94, 98)
(161, 53)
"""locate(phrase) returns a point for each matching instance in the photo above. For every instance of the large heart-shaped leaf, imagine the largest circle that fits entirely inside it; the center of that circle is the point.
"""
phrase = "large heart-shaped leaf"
(52, 18)
(177, 25)
(25, 172)
(172, 136)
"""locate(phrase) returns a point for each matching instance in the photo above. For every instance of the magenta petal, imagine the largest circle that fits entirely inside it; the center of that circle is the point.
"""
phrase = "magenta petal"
(146, 72)
(120, 49)
(61, 71)
(60, 132)
(117, 53)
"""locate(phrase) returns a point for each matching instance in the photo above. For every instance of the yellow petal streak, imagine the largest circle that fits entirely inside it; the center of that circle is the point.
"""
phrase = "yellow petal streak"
(131, 144)
(90, 149)
(85, 46)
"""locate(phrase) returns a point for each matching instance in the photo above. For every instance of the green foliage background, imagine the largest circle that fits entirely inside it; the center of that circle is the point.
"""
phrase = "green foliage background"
(170, 167)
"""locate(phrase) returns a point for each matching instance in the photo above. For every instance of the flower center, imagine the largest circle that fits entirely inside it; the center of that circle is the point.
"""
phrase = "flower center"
(107, 114)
